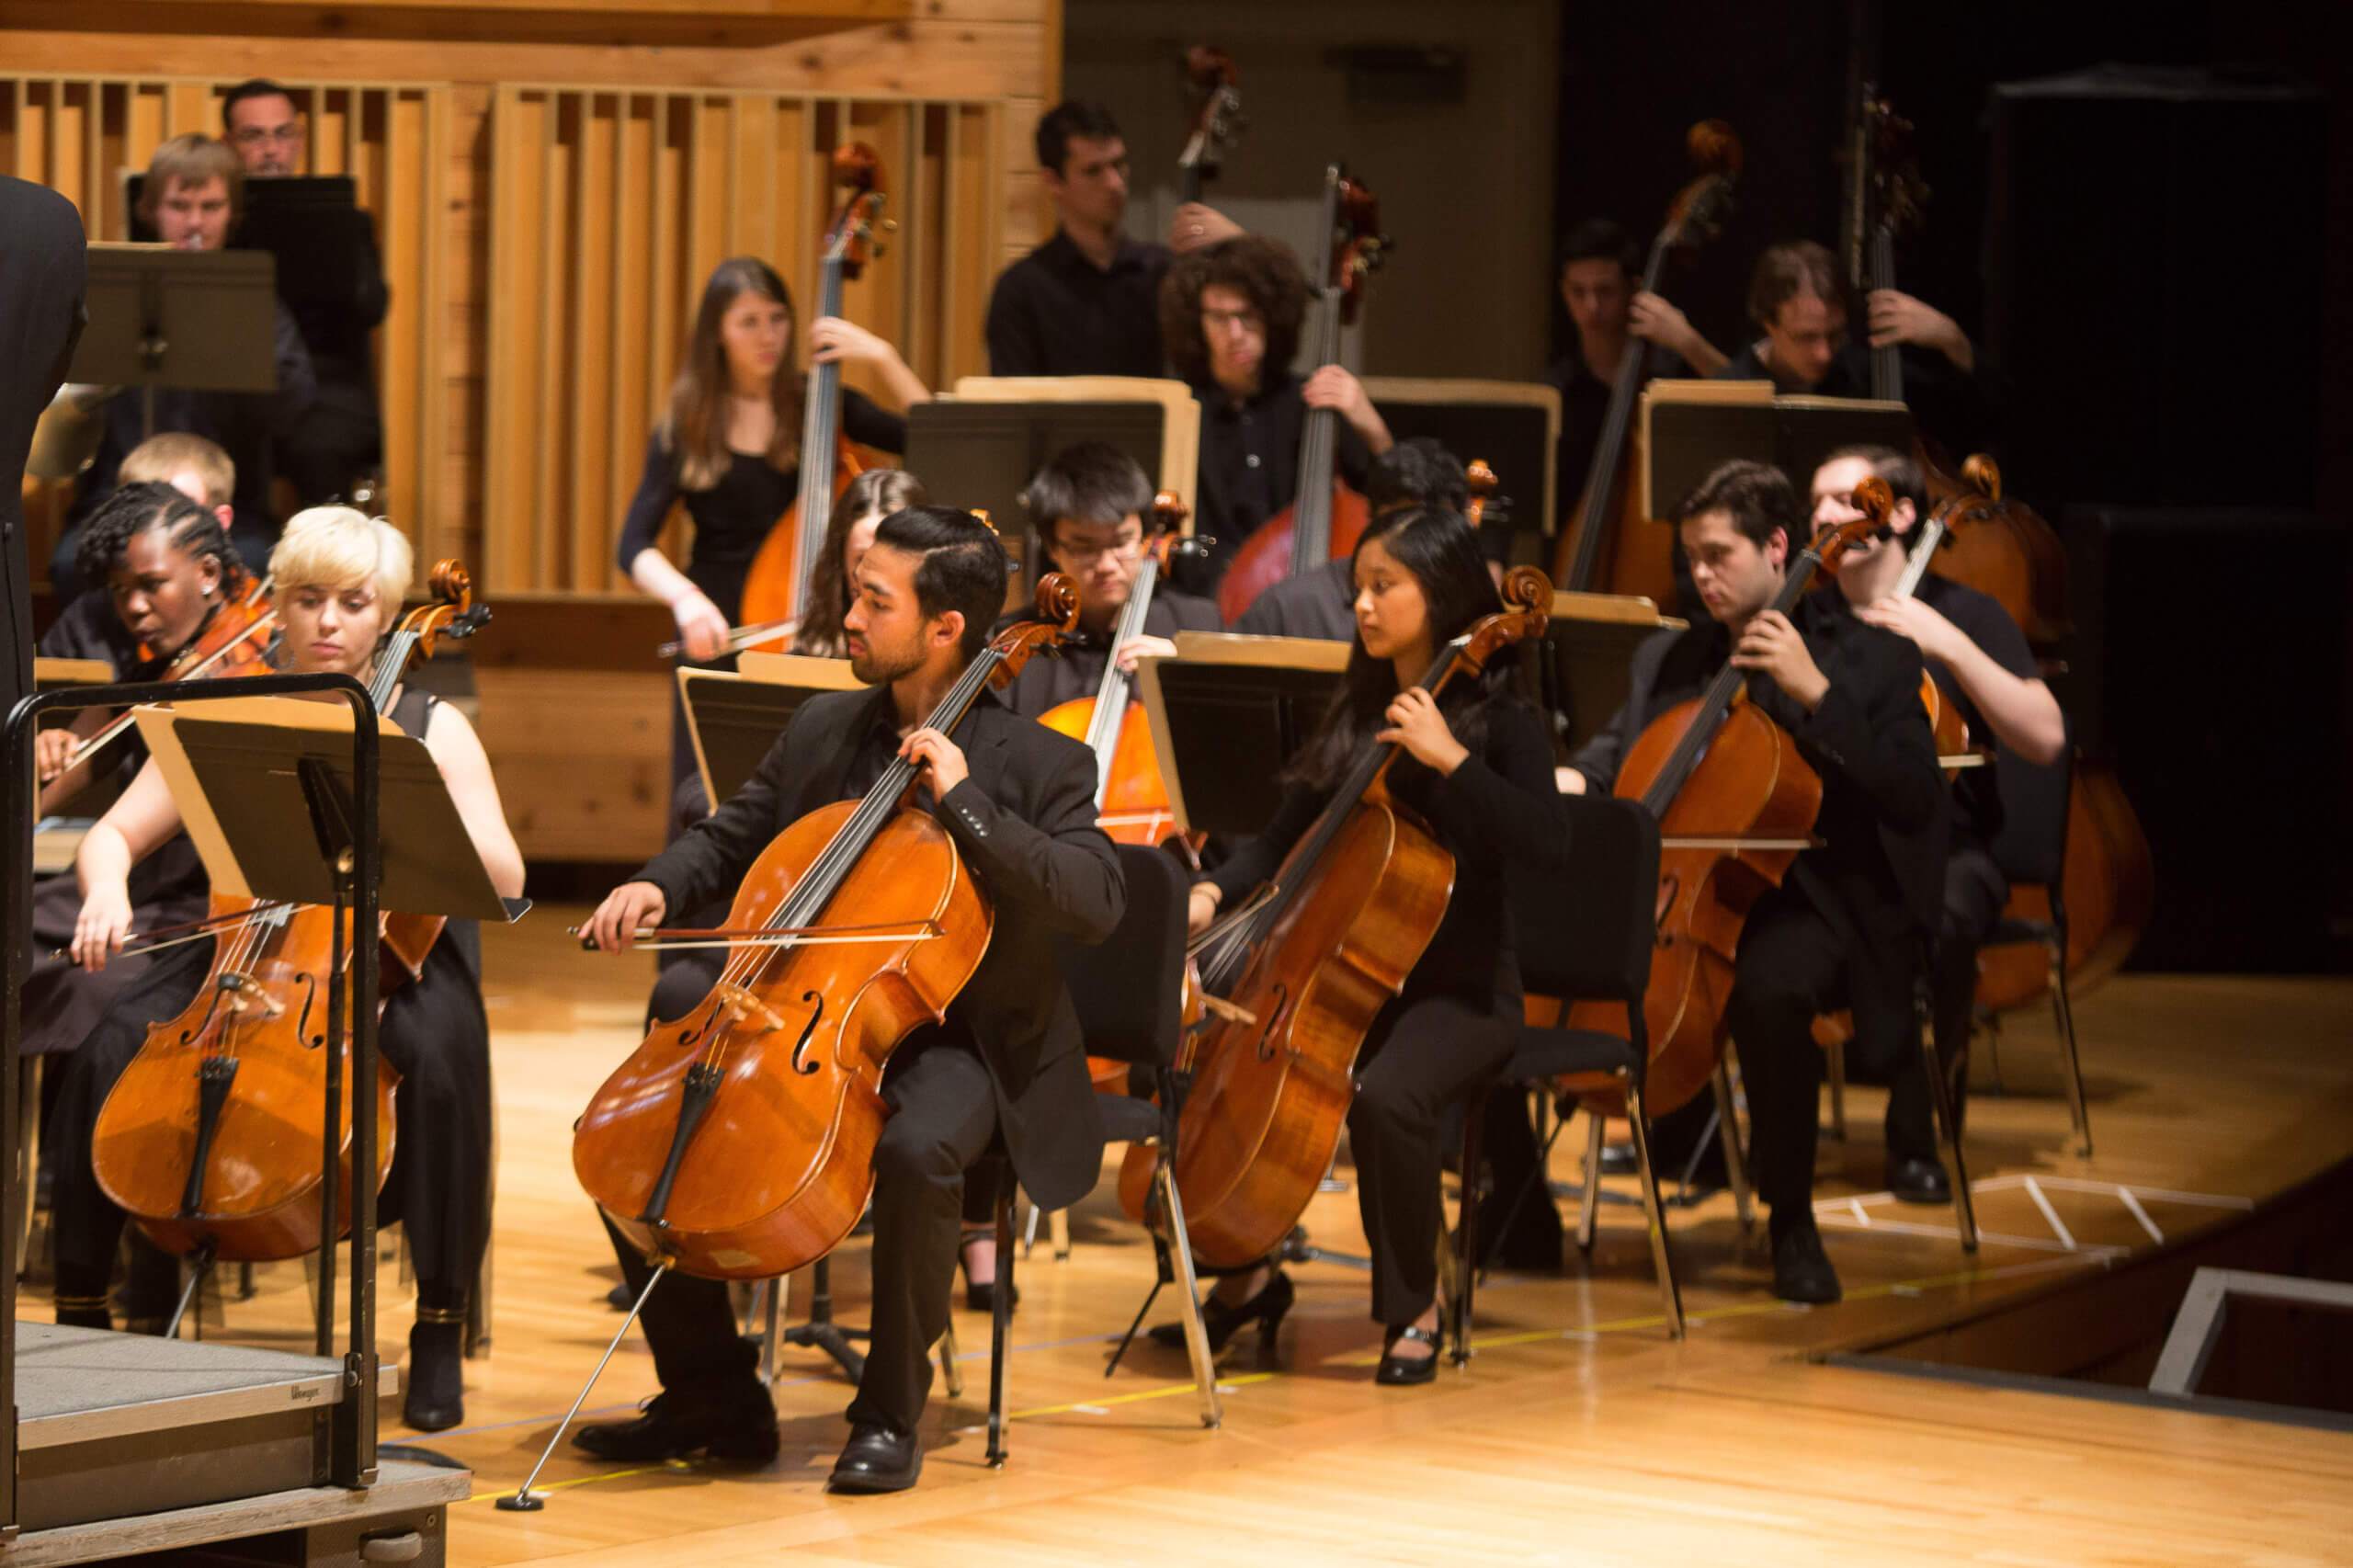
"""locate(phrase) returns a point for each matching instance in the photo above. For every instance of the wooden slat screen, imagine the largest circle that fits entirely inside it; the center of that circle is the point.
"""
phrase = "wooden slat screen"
(81, 135)
(611, 207)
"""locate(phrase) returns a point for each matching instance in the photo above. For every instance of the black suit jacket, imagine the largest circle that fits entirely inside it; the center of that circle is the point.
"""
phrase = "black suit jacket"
(1879, 876)
(1024, 822)
(42, 270)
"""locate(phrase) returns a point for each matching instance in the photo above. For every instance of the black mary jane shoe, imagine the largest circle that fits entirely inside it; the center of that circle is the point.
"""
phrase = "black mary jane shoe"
(877, 1458)
(1397, 1370)
(1225, 1320)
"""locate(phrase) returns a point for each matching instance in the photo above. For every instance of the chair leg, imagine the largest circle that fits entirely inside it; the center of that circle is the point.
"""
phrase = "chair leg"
(772, 1292)
(1466, 1229)
(1196, 1334)
(1736, 1160)
(1965, 1209)
(1655, 1215)
(1058, 1235)
(1001, 1319)
(1030, 1231)
(2062, 1013)
(1589, 1200)
(1837, 1064)
(951, 1362)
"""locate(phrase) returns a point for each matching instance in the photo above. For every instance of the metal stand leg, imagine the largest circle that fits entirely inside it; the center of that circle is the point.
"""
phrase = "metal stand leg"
(2062, 1013)
(1654, 1213)
(1000, 1320)
(1965, 1210)
(524, 1500)
(1735, 1161)
(1589, 1201)
(200, 1264)
(821, 1333)
(1460, 1268)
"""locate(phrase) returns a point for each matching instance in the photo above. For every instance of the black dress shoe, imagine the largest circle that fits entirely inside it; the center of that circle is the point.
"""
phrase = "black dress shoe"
(877, 1458)
(433, 1399)
(1618, 1159)
(1397, 1370)
(1223, 1321)
(738, 1428)
(982, 1297)
(1918, 1181)
(1801, 1270)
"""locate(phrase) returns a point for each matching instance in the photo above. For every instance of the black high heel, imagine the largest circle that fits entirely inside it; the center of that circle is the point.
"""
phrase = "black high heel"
(1223, 1321)
(1398, 1370)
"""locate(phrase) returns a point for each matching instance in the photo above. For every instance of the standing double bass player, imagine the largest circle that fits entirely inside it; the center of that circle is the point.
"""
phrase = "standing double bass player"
(1019, 801)
(1845, 926)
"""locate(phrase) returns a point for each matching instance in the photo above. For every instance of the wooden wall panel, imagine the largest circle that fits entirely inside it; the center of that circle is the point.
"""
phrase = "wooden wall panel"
(83, 135)
(593, 292)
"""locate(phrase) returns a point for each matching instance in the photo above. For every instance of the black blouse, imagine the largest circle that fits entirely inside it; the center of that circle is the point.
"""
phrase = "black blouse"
(1500, 810)
(732, 517)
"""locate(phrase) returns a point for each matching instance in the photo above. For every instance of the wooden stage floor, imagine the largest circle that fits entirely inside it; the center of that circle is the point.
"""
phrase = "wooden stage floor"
(1578, 1433)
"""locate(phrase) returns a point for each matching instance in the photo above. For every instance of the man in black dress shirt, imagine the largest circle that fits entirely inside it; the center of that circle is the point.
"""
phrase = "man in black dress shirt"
(1231, 316)
(1981, 665)
(1322, 603)
(1084, 303)
(1845, 926)
(1018, 801)
(1795, 299)
(334, 286)
(1091, 507)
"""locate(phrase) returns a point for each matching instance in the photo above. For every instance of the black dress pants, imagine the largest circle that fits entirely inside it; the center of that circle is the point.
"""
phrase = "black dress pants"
(1421, 1053)
(1791, 967)
(1975, 892)
(943, 1118)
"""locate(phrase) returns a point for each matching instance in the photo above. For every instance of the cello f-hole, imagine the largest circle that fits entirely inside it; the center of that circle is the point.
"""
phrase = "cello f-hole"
(1274, 1020)
(801, 1063)
(310, 999)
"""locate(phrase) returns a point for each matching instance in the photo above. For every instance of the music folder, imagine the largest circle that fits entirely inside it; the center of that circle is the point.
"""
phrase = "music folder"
(1689, 427)
(249, 775)
(734, 716)
(1227, 714)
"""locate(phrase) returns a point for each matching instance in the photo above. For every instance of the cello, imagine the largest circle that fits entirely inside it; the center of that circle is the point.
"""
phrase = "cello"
(780, 572)
(1610, 546)
(1326, 515)
(1302, 969)
(209, 1140)
(1130, 798)
(1713, 768)
(737, 1142)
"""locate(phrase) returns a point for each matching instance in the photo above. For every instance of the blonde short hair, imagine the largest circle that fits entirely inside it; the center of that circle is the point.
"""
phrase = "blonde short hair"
(192, 159)
(340, 547)
(159, 457)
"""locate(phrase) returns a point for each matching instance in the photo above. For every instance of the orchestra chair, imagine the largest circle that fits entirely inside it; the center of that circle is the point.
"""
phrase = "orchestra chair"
(1584, 935)
(2031, 850)
(1130, 993)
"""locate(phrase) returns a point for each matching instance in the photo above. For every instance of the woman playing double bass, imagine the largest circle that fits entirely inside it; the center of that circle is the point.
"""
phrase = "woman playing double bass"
(728, 446)
(1844, 926)
(1477, 769)
(339, 576)
(1019, 802)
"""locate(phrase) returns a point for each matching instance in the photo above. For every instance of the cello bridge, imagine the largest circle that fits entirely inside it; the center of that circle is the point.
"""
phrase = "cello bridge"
(244, 993)
(739, 1003)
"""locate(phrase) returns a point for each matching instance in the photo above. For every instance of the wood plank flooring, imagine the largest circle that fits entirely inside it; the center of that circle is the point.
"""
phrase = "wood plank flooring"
(1578, 1433)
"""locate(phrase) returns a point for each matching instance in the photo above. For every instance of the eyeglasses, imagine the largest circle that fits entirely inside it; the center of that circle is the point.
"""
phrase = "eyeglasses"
(254, 135)
(1087, 554)
(1226, 321)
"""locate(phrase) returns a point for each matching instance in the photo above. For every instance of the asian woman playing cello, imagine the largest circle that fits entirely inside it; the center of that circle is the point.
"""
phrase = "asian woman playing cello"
(1478, 769)
(339, 576)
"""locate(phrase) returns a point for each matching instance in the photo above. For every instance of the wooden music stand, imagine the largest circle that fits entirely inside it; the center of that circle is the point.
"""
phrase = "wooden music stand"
(733, 717)
(1227, 714)
(1689, 427)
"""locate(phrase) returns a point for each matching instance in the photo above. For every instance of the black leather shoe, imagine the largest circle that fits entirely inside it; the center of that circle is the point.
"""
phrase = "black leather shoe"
(1918, 1181)
(1618, 1159)
(1397, 1370)
(1222, 1321)
(737, 1429)
(1801, 1270)
(435, 1397)
(877, 1458)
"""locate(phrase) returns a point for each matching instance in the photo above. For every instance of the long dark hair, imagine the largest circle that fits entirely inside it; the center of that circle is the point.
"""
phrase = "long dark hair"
(879, 492)
(1436, 545)
(694, 431)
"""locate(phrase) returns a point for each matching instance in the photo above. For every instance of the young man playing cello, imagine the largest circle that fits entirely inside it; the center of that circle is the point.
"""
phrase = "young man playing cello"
(1983, 666)
(1844, 927)
(1018, 800)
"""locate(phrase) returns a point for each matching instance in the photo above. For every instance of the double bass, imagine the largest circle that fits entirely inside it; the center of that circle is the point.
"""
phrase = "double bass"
(211, 1139)
(1610, 546)
(1303, 968)
(779, 576)
(1217, 118)
(1326, 515)
(1715, 770)
(737, 1142)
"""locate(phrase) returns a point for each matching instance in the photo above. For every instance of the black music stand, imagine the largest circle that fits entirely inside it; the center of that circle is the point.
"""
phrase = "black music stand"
(734, 716)
(1585, 672)
(1227, 714)
(1513, 427)
(982, 454)
(196, 320)
(1690, 426)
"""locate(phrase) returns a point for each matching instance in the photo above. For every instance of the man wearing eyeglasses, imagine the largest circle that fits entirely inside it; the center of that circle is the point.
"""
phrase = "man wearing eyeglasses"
(331, 279)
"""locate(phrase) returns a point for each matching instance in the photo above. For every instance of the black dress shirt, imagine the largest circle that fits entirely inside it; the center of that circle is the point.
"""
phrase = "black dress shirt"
(1321, 604)
(1054, 313)
(1953, 407)
(1250, 461)
(1584, 408)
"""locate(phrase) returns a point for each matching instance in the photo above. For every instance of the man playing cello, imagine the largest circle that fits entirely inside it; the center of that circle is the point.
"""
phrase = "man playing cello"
(1844, 927)
(1019, 801)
